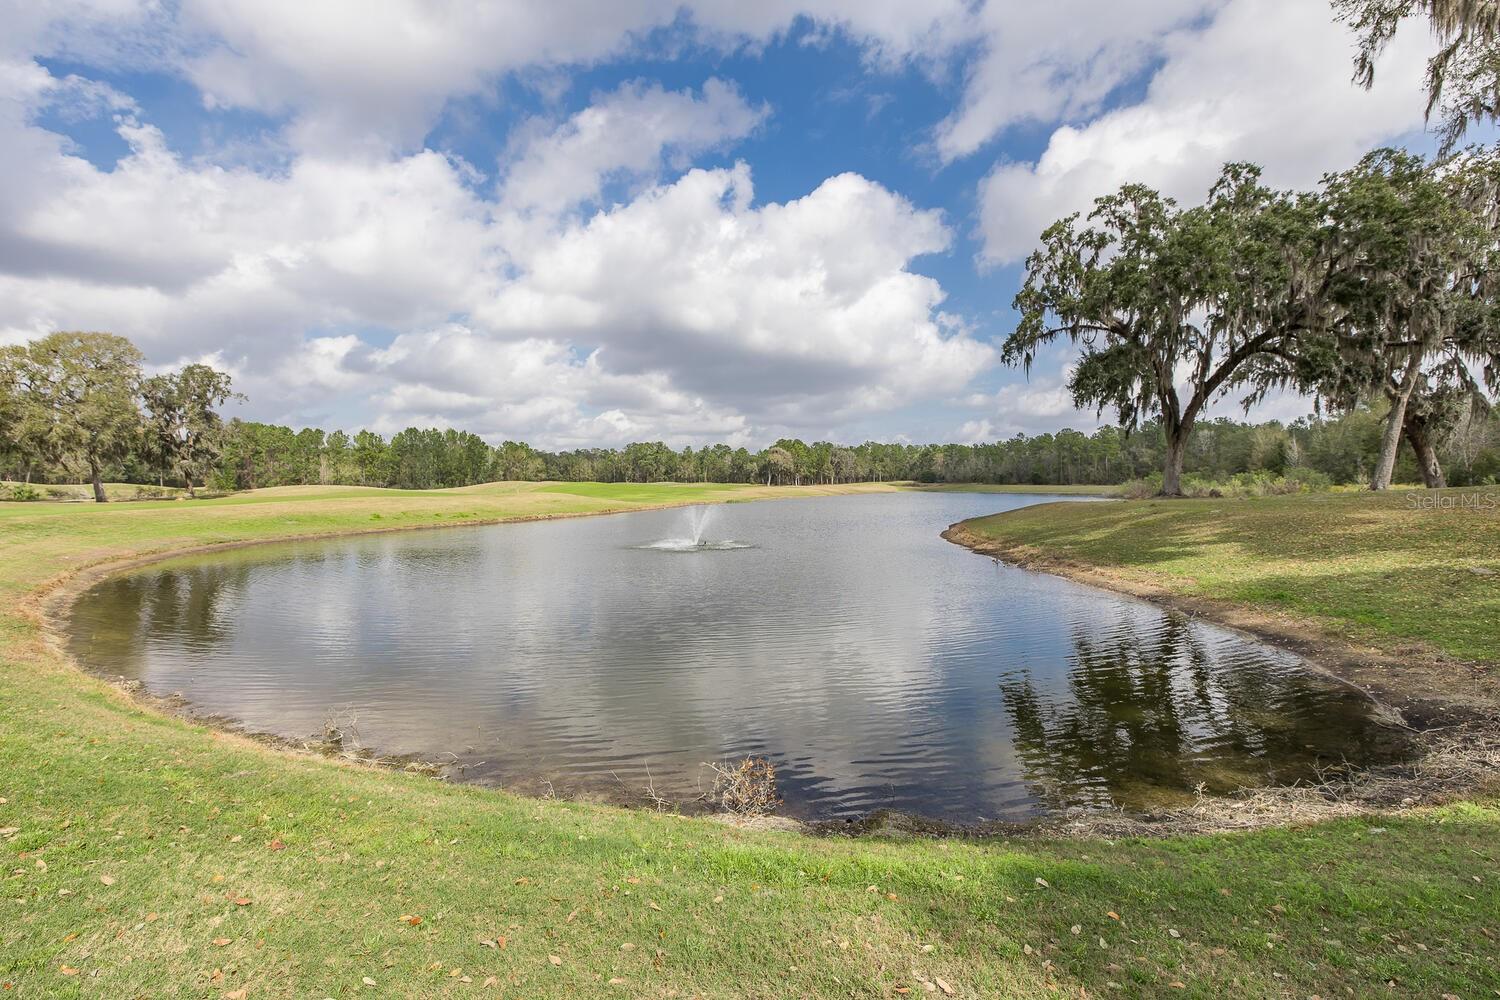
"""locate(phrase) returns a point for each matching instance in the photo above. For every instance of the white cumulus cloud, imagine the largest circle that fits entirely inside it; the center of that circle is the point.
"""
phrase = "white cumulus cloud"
(1265, 80)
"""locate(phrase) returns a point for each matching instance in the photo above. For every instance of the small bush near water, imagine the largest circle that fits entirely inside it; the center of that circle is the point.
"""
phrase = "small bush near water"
(1244, 484)
(747, 788)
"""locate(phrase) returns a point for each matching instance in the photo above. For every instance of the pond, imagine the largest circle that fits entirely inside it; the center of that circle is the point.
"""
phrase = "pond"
(874, 663)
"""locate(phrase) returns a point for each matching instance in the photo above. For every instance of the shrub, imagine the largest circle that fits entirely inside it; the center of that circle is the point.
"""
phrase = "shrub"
(747, 788)
(1244, 484)
(1141, 489)
(24, 491)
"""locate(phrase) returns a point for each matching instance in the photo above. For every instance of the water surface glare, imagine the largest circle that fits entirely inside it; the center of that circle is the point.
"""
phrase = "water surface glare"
(875, 663)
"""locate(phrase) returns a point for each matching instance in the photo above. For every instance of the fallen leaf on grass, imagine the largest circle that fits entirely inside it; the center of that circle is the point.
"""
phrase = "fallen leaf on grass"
(652, 903)
(1112, 915)
(408, 918)
(490, 981)
(220, 942)
(948, 990)
(554, 959)
(277, 845)
(236, 995)
(68, 970)
(107, 879)
(1043, 883)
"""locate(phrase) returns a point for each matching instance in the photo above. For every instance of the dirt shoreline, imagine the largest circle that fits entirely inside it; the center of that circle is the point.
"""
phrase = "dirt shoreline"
(1449, 706)
(1441, 774)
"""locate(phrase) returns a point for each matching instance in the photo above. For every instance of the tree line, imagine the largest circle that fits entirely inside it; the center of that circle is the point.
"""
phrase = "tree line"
(76, 407)
(1343, 448)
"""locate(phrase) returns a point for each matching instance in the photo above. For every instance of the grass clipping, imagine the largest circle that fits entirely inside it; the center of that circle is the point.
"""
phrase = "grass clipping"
(1454, 765)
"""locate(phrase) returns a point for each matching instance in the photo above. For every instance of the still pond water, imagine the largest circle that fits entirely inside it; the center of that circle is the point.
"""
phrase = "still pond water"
(876, 664)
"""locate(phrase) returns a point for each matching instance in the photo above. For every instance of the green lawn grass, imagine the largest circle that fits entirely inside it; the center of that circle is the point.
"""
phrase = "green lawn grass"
(1380, 567)
(141, 855)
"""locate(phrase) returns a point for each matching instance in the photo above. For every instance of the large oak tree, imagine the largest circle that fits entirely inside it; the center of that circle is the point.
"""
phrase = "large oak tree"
(182, 421)
(84, 387)
(1169, 305)
(1411, 249)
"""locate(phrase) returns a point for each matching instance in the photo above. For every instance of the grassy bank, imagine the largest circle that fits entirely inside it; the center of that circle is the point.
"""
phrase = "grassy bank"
(142, 855)
(1407, 567)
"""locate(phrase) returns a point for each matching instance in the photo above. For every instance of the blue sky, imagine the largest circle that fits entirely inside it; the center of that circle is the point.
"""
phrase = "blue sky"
(593, 223)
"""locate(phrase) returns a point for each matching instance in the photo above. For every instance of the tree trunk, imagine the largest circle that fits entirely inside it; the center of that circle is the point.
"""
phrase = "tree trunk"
(1418, 436)
(188, 478)
(98, 479)
(1390, 441)
(1171, 477)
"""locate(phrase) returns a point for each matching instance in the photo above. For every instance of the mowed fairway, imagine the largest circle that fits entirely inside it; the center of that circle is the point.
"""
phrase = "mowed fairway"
(141, 855)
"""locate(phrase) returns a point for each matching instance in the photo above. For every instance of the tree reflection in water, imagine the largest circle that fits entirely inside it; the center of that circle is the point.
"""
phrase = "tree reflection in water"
(1148, 715)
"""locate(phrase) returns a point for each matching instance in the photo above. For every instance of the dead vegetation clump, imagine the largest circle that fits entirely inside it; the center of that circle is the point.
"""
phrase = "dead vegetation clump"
(340, 738)
(744, 788)
(1453, 766)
